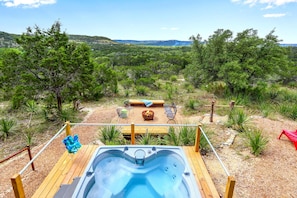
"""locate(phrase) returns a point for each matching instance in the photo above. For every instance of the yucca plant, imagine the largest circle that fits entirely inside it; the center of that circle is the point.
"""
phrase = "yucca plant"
(288, 110)
(172, 138)
(110, 135)
(29, 136)
(32, 108)
(237, 120)
(203, 144)
(256, 141)
(147, 139)
(187, 135)
(6, 127)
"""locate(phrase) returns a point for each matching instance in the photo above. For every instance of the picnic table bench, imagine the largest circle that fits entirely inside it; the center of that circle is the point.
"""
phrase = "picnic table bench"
(134, 102)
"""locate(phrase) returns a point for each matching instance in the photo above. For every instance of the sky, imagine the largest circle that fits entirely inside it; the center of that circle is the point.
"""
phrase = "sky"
(152, 19)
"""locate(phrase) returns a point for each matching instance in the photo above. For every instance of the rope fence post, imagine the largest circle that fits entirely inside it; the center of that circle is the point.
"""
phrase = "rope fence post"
(30, 156)
(212, 111)
(232, 104)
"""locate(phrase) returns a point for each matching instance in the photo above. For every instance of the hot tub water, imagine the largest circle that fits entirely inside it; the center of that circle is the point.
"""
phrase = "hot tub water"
(138, 171)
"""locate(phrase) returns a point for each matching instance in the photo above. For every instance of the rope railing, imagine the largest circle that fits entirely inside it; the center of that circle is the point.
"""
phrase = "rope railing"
(216, 154)
(43, 148)
(231, 181)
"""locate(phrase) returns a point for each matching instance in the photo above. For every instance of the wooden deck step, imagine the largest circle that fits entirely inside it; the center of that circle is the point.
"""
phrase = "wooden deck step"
(203, 179)
(66, 169)
(140, 130)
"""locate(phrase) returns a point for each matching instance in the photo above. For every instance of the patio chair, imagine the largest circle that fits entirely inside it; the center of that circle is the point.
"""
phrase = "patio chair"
(292, 135)
(171, 112)
(122, 113)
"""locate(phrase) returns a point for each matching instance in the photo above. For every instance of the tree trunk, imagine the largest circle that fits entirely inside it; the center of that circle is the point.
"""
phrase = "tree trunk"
(59, 101)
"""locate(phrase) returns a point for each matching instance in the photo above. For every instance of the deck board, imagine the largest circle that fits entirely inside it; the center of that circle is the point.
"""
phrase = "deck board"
(140, 130)
(66, 169)
(203, 179)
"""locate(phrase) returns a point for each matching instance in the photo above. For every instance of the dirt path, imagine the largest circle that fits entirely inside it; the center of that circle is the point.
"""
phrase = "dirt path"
(270, 175)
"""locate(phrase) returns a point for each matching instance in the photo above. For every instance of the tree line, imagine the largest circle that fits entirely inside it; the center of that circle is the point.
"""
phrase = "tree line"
(244, 64)
(48, 66)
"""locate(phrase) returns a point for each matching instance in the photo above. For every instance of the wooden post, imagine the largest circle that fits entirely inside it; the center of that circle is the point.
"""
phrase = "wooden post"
(230, 187)
(17, 185)
(68, 131)
(197, 140)
(211, 111)
(30, 156)
(232, 104)
(132, 133)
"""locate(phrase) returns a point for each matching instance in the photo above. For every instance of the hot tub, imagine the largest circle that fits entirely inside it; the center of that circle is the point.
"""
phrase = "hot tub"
(138, 171)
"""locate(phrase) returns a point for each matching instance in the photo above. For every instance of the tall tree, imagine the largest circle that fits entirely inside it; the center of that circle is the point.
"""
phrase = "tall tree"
(242, 63)
(48, 63)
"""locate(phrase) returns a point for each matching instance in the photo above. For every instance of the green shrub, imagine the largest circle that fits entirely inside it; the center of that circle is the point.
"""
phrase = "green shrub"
(190, 104)
(218, 88)
(173, 78)
(141, 90)
(170, 90)
(256, 141)
(190, 88)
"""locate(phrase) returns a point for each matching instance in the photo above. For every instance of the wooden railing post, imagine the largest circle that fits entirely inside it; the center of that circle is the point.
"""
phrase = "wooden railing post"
(132, 133)
(17, 185)
(197, 140)
(68, 131)
(230, 187)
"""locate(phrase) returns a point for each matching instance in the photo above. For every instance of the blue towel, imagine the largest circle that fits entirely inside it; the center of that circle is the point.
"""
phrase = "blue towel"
(147, 103)
(72, 144)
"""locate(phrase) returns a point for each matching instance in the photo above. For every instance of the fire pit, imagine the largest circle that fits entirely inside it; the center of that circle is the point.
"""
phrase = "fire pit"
(148, 115)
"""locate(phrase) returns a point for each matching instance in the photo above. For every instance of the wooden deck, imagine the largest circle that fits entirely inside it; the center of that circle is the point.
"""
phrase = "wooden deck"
(140, 130)
(203, 179)
(67, 168)
(70, 166)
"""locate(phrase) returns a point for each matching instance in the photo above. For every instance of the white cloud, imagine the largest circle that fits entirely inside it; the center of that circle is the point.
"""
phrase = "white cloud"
(26, 3)
(269, 3)
(274, 15)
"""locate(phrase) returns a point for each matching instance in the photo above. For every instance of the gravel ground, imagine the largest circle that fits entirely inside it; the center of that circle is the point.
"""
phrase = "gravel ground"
(273, 174)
